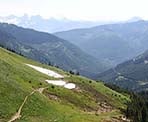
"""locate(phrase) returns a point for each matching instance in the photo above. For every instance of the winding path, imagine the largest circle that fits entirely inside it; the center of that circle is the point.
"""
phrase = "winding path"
(18, 114)
(48, 72)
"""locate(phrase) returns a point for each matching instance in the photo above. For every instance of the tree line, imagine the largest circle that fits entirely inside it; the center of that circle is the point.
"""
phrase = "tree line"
(137, 108)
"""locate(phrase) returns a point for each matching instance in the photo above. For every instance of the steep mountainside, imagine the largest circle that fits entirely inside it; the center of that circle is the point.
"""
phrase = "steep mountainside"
(9, 42)
(50, 49)
(113, 43)
(132, 74)
(25, 96)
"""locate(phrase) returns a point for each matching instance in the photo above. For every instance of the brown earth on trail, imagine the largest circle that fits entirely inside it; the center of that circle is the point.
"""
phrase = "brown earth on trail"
(103, 108)
(17, 115)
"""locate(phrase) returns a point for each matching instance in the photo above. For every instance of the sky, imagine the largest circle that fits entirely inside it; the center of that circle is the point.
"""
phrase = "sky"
(77, 9)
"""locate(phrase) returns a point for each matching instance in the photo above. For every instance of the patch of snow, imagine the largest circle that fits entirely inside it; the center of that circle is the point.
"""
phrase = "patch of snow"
(46, 71)
(10, 21)
(62, 83)
(121, 78)
(119, 73)
(70, 86)
(55, 75)
(134, 59)
(56, 82)
(137, 58)
(145, 61)
(142, 83)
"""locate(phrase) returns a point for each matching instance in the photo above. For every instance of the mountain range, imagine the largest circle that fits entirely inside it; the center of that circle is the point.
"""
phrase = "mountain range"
(52, 25)
(40, 80)
(49, 49)
(111, 43)
(118, 44)
(49, 25)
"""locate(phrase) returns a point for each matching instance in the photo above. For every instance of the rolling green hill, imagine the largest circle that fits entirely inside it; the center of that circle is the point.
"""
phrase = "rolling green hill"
(90, 101)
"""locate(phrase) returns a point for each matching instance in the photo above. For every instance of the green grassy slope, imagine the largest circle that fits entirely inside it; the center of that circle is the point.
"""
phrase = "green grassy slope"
(56, 103)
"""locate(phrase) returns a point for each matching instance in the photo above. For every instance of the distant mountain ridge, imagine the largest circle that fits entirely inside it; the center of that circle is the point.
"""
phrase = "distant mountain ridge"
(134, 19)
(112, 43)
(52, 24)
(48, 48)
(49, 25)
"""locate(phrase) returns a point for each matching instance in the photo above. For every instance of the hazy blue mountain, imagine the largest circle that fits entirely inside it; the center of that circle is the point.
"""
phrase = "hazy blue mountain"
(113, 43)
(50, 49)
(49, 25)
(132, 74)
(134, 19)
